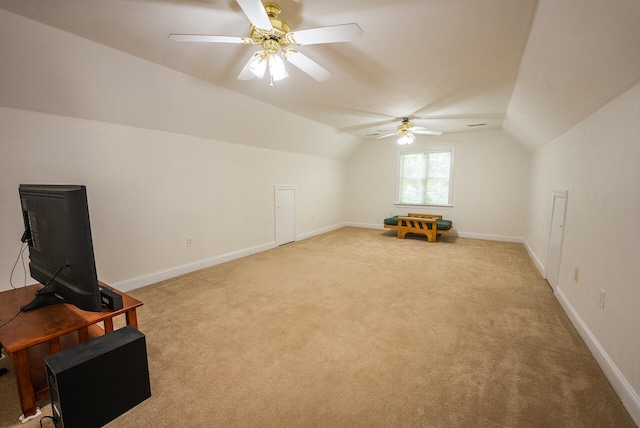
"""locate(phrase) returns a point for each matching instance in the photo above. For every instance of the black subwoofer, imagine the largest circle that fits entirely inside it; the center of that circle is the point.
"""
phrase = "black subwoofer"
(97, 381)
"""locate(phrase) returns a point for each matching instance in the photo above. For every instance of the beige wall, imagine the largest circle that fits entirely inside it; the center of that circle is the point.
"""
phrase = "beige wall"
(598, 162)
(149, 190)
(489, 190)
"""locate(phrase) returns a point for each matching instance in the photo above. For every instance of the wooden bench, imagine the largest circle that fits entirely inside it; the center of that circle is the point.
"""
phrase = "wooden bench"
(424, 224)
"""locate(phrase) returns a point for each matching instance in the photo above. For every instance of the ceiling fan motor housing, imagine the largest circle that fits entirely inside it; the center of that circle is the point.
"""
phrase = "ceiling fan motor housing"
(275, 39)
(405, 126)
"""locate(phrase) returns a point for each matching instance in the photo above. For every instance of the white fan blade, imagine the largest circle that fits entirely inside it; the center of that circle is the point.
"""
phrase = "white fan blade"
(426, 132)
(333, 34)
(254, 9)
(208, 39)
(307, 65)
(246, 73)
(387, 135)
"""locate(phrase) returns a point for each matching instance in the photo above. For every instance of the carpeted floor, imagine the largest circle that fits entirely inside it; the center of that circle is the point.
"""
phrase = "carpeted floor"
(356, 328)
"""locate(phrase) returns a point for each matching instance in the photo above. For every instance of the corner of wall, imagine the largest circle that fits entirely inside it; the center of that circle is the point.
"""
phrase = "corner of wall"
(541, 267)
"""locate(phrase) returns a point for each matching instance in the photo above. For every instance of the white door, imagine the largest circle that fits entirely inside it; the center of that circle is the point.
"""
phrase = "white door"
(285, 214)
(556, 236)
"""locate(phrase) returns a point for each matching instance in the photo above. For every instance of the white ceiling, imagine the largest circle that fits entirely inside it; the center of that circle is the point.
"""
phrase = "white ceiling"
(532, 68)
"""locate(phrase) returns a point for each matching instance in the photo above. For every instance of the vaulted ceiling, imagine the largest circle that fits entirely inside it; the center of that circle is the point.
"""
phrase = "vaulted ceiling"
(533, 68)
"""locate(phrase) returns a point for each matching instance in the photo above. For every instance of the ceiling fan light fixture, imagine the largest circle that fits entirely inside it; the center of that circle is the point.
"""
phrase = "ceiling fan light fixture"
(277, 69)
(258, 64)
(406, 138)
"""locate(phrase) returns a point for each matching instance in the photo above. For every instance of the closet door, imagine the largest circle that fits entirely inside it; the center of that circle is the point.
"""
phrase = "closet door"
(555, 238)
(285, 202)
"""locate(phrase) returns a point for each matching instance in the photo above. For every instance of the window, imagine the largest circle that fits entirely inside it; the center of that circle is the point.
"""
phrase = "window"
(425, 178)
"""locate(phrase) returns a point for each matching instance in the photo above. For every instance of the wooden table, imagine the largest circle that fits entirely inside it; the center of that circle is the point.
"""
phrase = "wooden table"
(33, 335)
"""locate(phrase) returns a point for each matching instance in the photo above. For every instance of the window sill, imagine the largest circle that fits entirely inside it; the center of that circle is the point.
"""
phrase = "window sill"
(397, 204)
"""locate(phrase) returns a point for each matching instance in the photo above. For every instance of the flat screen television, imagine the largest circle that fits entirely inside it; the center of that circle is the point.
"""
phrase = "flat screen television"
(58, 232)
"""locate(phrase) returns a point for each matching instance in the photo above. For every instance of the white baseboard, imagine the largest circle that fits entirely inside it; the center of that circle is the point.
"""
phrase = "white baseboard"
(490, 237)
(485, 236)
(625, 391)
(319, 231)
(151, 278)
(365, 225)
(536, 260)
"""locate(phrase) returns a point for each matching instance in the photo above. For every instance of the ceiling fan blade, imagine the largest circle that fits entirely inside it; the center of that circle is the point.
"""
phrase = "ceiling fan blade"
(387, 135)
(307, 65)
(246, 73)
(426, 132)
(209, 39)
(254, 9)
(332, 34)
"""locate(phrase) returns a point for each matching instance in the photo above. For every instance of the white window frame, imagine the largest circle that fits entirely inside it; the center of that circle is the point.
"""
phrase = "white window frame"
(438, 149)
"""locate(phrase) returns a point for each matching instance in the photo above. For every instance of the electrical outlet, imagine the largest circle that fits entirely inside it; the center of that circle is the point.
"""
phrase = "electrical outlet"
(189, 241)
(576, 274)
(603, 297)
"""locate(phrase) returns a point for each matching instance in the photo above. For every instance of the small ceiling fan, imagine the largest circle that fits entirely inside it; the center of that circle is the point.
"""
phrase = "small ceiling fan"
(407, 132)
(276, 39)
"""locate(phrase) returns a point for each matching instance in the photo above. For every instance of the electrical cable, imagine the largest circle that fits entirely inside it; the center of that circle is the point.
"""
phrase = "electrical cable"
(41, 291)
(44, 289)
(12, 318)
(47, 417)
(23, 248)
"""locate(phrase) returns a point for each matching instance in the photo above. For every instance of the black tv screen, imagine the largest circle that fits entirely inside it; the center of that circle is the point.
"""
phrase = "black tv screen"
(58, 232)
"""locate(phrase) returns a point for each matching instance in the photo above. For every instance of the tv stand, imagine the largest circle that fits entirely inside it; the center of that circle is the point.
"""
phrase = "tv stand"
(43, 298)
(34, 334)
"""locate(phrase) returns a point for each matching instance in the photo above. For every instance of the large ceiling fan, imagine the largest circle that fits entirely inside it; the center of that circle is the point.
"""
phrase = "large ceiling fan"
(276, 39)
(406, 130)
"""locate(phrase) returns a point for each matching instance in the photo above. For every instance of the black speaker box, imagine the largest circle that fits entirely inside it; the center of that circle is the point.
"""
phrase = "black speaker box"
(97, 381)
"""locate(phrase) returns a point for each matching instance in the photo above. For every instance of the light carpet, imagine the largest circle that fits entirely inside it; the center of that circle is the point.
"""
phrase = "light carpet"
(355, 328)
